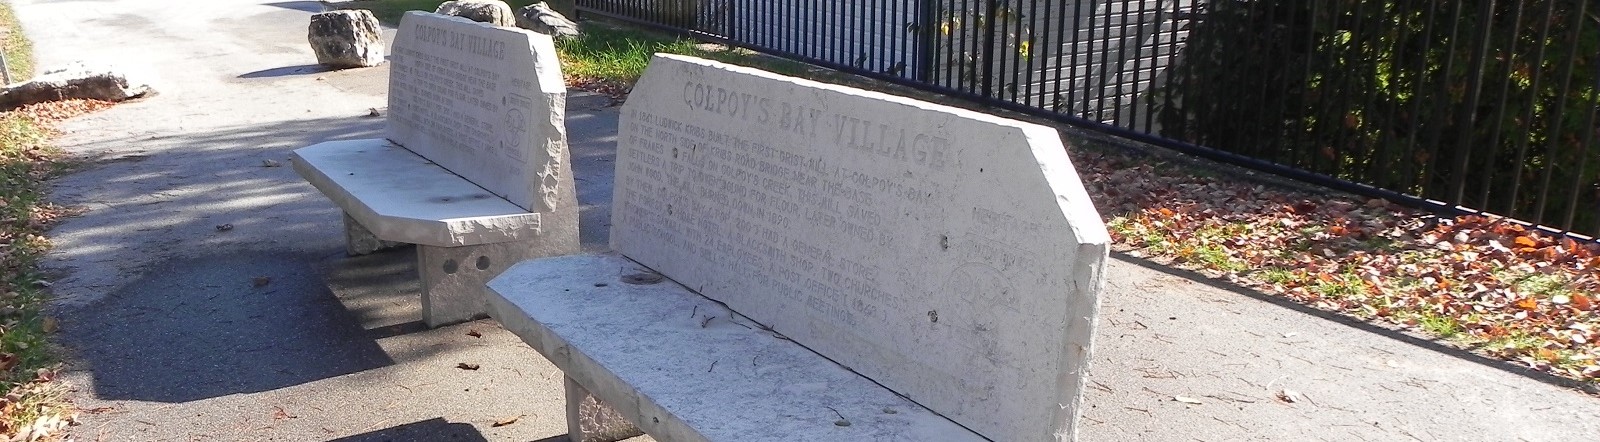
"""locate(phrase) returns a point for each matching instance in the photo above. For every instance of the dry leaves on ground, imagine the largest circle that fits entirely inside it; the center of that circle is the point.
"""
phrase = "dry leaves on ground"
(33, 407)
(1488, 284)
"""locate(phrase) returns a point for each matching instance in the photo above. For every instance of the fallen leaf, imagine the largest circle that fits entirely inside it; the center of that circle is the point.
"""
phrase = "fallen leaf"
(50, 324)
(1582, 302)
(1527, 304)
(507, 421)
(1187, 400)
(466, 366)
(1526, 242)
(224, 227)
(260, 281)
(279, 414)
(1289, 396)
(474, 333)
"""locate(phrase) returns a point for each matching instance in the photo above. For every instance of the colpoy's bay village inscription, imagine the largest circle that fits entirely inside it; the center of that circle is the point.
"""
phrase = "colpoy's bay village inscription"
(829, 195)
(905, 240)
(475, 99)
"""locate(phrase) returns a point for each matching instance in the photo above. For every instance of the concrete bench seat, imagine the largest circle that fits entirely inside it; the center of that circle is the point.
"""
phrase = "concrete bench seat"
(685, 368)
(464, 234)
(400, 196)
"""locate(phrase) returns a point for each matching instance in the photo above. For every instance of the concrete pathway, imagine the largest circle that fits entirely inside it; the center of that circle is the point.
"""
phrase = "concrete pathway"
(172, 339)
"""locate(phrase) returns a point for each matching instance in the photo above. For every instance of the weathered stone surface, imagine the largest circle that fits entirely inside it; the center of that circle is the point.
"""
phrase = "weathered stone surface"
(77, 80)
(952, 256)
(487, 103)
(684, 368)
(541, 18)
(346, 39)
(494, 12)
(400, 196)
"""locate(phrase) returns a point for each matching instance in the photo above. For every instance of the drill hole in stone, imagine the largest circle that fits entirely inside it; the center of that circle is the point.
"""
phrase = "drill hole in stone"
(450, 266)
(642, 278)
(483, 263)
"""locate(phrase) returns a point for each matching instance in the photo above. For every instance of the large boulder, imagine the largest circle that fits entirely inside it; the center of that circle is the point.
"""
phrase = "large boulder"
(346, 39)
(541, 18)
(77, 80)
(494, 12)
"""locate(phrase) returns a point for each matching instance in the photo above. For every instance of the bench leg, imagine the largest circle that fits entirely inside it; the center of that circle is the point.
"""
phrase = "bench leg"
(454, 279)
(588, 420)
(360, 241)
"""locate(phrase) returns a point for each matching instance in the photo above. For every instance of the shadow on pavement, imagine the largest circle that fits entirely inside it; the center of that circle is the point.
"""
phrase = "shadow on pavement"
(219, 325)
(230, 254)
(312, 7)
(1391, 333)
(436, 429)
(304, 69)
(236, 263)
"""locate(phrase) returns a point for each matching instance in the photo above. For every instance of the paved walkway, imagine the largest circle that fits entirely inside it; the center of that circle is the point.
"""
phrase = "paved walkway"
(171, 340)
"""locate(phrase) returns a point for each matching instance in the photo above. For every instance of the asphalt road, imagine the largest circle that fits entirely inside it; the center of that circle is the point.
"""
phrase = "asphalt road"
(170, 338)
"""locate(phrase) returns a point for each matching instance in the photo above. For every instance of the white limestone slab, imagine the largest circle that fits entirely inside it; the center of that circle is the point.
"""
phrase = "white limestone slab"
(684, 368)
(950, 255)
(485, 102)
(400, 196)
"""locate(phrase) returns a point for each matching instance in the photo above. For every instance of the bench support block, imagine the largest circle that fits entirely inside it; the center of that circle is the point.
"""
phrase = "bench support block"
(360, 241)
(588, 420)
(453, 278)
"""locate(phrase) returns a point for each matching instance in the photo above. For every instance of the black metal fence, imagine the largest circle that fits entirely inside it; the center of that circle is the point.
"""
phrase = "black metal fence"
(1455, 105)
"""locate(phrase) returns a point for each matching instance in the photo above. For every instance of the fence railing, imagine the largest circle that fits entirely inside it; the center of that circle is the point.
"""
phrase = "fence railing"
(1475, 105)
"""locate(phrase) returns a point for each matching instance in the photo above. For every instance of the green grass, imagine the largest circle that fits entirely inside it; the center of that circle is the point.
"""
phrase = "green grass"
(18, 50)
(1277, 275)
(1345, 286)
(26, 160)
(620, 55)
(1441, 326)
(1542, 285)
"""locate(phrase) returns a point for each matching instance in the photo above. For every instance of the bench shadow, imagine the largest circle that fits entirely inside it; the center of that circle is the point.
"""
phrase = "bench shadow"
(239, 282)
(230, 256)
(1377, 329)
(312, 7)
(286, 71)
(216, 325)
(436, 429)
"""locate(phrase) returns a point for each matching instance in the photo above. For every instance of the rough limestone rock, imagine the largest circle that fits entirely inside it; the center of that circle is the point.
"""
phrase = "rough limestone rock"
(77, 80)
(346, 39)
(541, 18)
(494, 12)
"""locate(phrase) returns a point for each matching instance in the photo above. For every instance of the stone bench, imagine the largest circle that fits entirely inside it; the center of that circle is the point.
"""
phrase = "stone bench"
(473, 168)
(801, 261)
(464, 235)
(684, 367)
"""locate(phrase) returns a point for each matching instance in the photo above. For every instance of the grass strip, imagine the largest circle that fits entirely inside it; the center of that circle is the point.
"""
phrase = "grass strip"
(34, 406)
